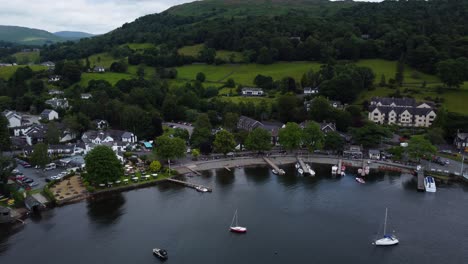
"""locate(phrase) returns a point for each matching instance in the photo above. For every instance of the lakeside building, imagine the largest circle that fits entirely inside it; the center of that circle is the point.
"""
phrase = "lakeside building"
(249, 124)
(401, 112)
(247, 91)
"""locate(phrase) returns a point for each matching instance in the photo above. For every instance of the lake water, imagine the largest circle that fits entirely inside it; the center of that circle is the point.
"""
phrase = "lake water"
(290, 219)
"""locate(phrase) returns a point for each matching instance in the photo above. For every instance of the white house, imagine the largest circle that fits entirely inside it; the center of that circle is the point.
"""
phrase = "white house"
(55, 92)
(99, 69)
(101, 137)
(49, 114)
(57, 103)
(54, 78)
(48, 64)
(14, 119)
(86, 96)
(101, 124)
(252, 91)
(310, 90)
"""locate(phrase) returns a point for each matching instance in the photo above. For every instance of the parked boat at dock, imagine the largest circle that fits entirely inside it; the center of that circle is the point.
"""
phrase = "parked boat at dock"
(334, 169)
(201, 189)
(430, 184)
(360, 180)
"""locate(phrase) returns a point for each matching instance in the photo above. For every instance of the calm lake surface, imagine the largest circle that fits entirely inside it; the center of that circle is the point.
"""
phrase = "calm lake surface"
(290, 219)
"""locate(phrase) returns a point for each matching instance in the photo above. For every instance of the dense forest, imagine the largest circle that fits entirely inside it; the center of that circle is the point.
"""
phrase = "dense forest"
(422, 33)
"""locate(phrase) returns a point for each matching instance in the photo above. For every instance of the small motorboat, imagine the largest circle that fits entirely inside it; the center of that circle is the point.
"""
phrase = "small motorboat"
(301, 172)
(201, 189)
(360, 180)
(430, 184)
(297, 165)
(236, 228)
(160, 253)
(334, 169)
(274, 171)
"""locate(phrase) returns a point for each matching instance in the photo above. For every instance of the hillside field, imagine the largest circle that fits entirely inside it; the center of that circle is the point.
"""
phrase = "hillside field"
(27, 57)
(7, 72)
(221, 54)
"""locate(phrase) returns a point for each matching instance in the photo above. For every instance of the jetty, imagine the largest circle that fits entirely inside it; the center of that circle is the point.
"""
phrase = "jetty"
(192, 170)
(227, 168)
(421, 187)
(273, 166)
(189, 184)
(303, 165)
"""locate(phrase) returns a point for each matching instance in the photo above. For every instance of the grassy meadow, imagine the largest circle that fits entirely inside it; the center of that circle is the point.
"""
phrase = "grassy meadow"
(27, 57)
(7, 72)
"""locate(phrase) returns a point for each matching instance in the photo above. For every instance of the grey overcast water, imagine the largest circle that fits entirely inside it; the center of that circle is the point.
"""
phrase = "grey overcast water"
(290, 219)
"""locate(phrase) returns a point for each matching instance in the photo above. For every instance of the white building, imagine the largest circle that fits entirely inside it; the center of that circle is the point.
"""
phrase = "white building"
(49, 115)
(252, 91)
(57, 103)
(86, 96)
(401, 112)
(310, 90)
(14, 118)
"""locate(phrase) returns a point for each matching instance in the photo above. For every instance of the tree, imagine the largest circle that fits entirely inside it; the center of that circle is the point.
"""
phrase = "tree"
(333, 141)
(202, 131)
(169, 148)
(39, 156)
(258, 140)
(119, 66)
(383, 82)
(435, 135)
(265, 82)
(312, 136)
(451, 72)
(290, 136)
(71, 71)
(155, 166)
(141, 72)
(230, 83)
(207, 55)
(195, 153)
(181, 133)
(5, 142)
(230, 121)
(399, 75)
(224, 142)
(52, 134)
(7, 164)
(418, 147)
(370, 134)
(102, 165)
(265, 56)
(286, 107)
(200, 77)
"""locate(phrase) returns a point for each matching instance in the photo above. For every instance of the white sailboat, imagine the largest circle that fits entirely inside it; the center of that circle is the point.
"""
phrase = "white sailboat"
(236, 228)
(387, 240)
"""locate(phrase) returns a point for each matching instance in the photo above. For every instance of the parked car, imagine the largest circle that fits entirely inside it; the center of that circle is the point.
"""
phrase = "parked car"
(27, 180)
(26, 165)
(32, 184)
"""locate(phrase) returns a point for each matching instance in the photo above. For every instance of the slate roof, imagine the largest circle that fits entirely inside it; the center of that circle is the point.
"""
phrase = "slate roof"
(399, 110)
(397, 101)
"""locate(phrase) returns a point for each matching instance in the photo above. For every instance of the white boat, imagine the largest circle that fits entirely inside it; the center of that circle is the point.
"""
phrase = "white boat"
(274, 171)
(236, 228)
(311, 171)
(300, 171)
(430, 184)
(387, 240)
(297, 165)
(360, 180)
(201, 189)
(334, 169)
(282, 172)
(160, 253)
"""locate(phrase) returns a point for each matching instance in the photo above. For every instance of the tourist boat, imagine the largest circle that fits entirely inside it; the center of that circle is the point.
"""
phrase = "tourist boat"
(160, 253)
(201, 189)
(236, 228)
(301, 172)
(360, 180)
(334, 169)
(387, 240)
(430, 184)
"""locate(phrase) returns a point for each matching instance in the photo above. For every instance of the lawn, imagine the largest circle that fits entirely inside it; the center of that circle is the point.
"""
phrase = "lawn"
(245, 73)
(101, 59)
(27, 57)
(190, 50)
(255, 100)
(111, 77)
(221, 54)
(140, 46)
(7, 72)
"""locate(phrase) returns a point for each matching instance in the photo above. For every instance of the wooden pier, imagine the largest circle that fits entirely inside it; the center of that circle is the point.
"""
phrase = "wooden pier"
(273, 166)
(194, 171)
(189, 184)
(303, 165)
(227, 168)
(421, 186)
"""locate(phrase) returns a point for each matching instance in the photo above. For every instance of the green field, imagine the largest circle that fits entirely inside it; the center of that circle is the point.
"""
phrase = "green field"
(101, 59)
(221, 54)
(7, 72)
(245, 73)
(111, 77)
(140, 46)
(27, 57)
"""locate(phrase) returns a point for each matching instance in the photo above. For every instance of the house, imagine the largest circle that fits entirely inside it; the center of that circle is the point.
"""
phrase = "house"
(252, 91)
(401, 112)
(100, 124)
(310, 90)
(86, 96)
(60, 149)
(374, 154)
(57, 103)
(35, 134)
(461, 141)
(54, 78)
(249, 124)
(99, 137)
(327, 127)
(99, 69)
(336, 104)
(353, 152)
(55, 92)
(49, 115)
(48, 64)
(14, 118)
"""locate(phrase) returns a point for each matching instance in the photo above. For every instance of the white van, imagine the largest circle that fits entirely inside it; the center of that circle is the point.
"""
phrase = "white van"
(50, 166)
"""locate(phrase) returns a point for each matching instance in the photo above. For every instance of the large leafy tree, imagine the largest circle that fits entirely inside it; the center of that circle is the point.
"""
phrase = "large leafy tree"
(102, 165)
(451, 72)
(53, 134)
(290, 137)
(39, 156)
(370, 135)
(312, 136)
(333, 141)
(4, 134)
(258, 140)
(169, 148)
(418, 147)
(224, 142)
(202, 131)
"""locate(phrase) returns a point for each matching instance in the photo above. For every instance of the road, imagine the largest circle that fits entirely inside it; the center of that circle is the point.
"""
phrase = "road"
(177, 125)
(453, 167)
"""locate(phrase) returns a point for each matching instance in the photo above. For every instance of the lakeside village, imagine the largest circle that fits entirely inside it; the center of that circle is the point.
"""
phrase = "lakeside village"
(77, 166)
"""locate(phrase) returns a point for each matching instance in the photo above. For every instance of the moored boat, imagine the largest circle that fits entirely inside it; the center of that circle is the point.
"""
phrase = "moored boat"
(430, 184)
(201, 189)
(387, 240)
(274, 171)
(334, 169)
(236, 228)
(160, 253)
(360, 180)
(301, 172)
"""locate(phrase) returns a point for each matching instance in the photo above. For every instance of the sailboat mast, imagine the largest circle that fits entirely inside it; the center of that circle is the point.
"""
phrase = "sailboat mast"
(385, 223)
(236, 219)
